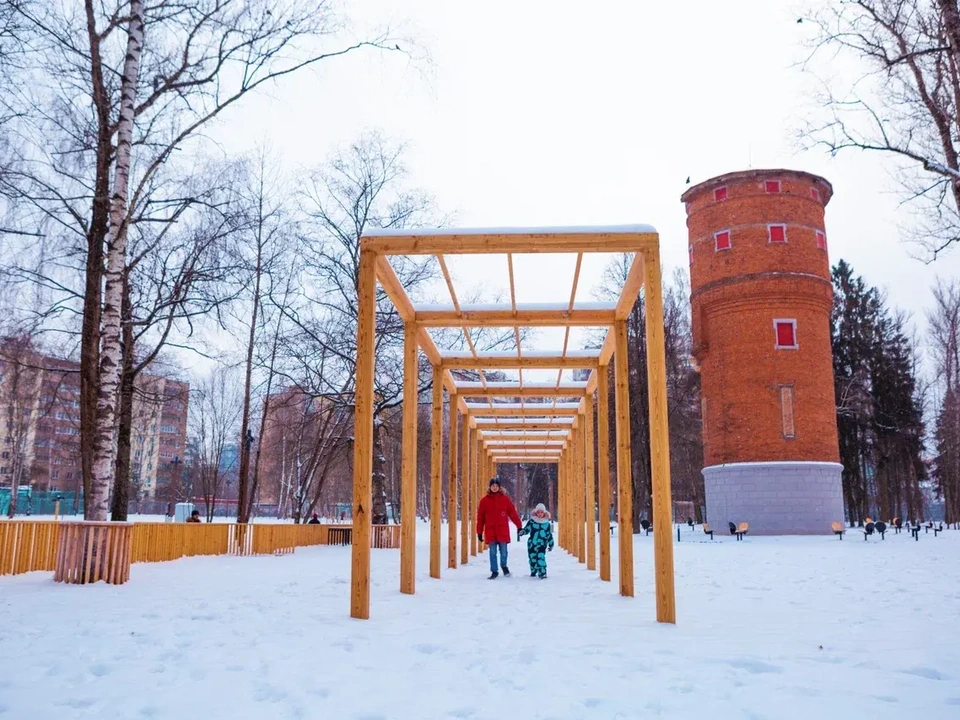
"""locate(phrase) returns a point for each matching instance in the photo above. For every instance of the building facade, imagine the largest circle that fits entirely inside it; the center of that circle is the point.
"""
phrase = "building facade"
(40, 425)
(761, 299)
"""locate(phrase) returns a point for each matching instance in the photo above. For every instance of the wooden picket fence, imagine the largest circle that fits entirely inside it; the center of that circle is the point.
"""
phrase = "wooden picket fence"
(27, 546)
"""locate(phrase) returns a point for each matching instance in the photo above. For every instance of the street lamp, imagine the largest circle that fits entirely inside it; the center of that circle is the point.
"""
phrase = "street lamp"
(174, 479)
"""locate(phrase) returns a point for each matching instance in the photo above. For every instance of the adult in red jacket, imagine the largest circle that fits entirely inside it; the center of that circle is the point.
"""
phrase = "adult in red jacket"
(494, 513)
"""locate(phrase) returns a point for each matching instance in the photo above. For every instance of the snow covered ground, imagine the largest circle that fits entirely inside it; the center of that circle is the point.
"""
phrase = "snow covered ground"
(767, 628)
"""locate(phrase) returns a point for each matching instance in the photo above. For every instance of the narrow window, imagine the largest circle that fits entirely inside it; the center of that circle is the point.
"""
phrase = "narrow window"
(690, 253)
(772, 186)
(720, 194)
(821, 240)
(778, 233)
(786, 411)
(722, 240)
(815, 194)
(786, 333)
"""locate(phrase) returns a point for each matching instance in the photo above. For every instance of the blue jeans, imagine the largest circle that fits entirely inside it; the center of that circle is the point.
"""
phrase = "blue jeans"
(502, 547)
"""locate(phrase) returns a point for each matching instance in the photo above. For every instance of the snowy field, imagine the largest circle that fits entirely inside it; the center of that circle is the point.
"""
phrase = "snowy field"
(767, 628)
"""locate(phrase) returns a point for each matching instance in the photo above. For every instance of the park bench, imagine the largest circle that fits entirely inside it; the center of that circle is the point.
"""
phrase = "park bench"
(837, 528)
(739, 530)
(936, 528)
(646, 526)
(868, 528)
(707, 531)
(897, 525)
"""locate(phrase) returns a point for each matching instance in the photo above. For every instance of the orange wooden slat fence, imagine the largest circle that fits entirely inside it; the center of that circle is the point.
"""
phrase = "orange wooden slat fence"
(28, 546)
(88, 552)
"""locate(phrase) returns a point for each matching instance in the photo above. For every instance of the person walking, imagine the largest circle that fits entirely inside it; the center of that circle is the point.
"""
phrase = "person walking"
(540, 530)
(495, 512)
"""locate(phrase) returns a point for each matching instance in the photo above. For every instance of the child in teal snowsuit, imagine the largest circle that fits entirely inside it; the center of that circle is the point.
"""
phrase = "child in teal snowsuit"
(539, 529)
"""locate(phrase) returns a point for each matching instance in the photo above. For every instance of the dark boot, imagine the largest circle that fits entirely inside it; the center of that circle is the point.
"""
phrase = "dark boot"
(506, 571)
(493, 576)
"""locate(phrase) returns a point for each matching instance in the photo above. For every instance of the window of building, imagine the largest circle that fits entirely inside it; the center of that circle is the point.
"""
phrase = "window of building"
(55, 474)
(772, 186)
(3, 469)
(5, 455)
(720, 194)
(786, 411)
(721, 240)
(777, 233)
(786, 333)
(821, 240)
(815, 194)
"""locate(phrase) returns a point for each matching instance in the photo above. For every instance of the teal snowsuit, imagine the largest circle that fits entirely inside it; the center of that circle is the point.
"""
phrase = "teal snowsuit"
(541, 540)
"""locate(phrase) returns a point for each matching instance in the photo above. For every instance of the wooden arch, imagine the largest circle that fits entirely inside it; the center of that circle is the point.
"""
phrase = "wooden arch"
(547, 422)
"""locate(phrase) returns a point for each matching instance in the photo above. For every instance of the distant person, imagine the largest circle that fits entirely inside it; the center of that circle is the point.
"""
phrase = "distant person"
(343, 516)
(540, 530)
(194, 517)
(314, 520)
(494, 513)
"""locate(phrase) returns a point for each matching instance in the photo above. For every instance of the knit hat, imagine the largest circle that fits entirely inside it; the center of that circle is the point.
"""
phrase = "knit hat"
(540, 513)
(494, 481)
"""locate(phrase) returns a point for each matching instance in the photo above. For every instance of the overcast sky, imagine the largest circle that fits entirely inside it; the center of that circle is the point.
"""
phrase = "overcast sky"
(559, 113)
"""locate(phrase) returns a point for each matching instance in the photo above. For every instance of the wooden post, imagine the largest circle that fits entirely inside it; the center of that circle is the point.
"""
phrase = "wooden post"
(624, 468)
(436, 480)
(452, 485)
(659, 441)
(363, 437)
(56, 510)
(465, 492)
(591, 485)
(603, 474)
(580, 491)
(474, 495)
(408, 471)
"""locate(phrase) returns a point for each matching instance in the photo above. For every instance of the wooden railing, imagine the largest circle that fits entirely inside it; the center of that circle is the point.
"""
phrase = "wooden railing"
(27, 546)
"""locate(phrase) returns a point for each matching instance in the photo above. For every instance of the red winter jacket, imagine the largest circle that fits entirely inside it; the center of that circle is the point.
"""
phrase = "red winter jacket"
(494, 514)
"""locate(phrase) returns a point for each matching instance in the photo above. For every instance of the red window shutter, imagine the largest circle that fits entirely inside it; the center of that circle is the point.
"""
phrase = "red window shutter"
(720, 194)
(786, 335)
(722, 240)
(772, 186)
(821, 240)
(778, 233)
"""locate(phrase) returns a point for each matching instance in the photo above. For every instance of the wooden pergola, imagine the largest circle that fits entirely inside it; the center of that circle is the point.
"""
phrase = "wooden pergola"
(514, 422)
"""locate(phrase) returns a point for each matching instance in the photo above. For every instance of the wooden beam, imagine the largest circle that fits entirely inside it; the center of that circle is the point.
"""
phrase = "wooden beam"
(624, 468)
(496, 390)
(659, 443)
(464, 492)
(474, 494)
(524, 317)
(521, 240)
(408, 470)
(511, 410)
(603, 474)
(534, 460)
(394, 289)
(527, 362)
(436, 459)
(631, 288)
(452, 485)
(494, 443)
(580, 489)
(363, 438)
(591, 479)
(529, 425)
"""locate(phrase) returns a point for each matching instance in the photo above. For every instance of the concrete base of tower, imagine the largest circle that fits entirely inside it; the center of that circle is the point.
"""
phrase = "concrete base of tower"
(776, 498)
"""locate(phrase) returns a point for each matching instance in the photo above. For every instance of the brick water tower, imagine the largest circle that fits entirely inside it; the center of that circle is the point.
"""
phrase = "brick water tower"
(761, 298)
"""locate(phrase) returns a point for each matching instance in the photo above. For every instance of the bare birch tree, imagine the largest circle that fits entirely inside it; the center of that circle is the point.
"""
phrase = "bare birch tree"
(198, 60)
(215, 417)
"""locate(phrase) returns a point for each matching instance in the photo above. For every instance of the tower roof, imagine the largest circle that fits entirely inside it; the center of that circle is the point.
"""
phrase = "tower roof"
(759, 174)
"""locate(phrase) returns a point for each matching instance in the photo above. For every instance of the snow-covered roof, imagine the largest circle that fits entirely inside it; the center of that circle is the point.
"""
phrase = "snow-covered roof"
(639, 229)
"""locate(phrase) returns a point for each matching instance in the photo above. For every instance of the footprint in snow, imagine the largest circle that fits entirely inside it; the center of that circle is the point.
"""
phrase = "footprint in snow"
(925, 672)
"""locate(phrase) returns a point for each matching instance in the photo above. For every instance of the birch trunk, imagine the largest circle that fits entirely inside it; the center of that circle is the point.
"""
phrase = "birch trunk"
(104, 452)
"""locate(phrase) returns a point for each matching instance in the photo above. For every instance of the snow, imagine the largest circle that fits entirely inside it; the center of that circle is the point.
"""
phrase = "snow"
(521, 406)
(470, 385)
(778, 628)
(512, 354)
(559, 230)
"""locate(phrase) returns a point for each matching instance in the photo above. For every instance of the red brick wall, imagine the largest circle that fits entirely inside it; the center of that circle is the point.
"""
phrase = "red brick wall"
(737, 294)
